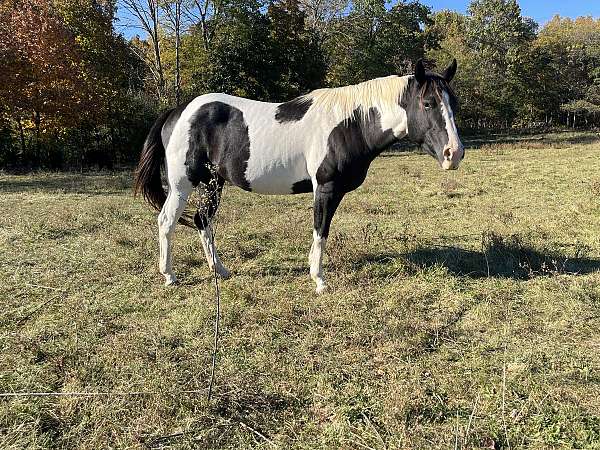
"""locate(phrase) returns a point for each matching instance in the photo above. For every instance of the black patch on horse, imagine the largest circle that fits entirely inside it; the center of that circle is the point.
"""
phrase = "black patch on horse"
(218, 138)
(351, 147)
(302, 187)
(293, 111)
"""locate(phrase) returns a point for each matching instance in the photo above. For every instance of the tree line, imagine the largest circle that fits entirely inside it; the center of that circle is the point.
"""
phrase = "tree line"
(75, 93)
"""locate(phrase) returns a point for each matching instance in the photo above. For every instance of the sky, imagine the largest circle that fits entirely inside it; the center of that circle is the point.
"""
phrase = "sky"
(540, 10)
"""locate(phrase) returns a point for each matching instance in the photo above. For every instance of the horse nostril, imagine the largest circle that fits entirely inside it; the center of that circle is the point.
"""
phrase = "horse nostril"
(447, 153)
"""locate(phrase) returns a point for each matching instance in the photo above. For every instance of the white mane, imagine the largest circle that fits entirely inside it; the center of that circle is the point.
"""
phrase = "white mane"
(382, 93)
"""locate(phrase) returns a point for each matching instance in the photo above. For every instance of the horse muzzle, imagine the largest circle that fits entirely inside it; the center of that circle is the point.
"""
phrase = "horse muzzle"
(452, 158)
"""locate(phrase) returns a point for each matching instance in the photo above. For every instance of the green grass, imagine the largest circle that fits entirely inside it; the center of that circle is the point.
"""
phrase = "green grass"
(463, 311)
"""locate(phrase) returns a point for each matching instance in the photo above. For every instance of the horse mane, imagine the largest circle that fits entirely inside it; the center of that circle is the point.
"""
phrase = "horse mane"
(382, 93)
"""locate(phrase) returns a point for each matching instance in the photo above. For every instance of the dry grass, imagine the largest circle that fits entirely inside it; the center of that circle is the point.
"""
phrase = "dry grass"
(464, 312)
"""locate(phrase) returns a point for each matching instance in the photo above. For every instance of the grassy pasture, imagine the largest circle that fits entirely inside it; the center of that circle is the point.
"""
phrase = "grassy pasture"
(463, 311)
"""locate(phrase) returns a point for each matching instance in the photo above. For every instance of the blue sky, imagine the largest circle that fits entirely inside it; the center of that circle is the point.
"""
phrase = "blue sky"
(540, 10)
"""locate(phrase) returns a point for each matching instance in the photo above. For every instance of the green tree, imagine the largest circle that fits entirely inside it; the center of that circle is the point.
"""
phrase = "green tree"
(448, 32)
(372, 41)
(240, 59)
(572, 51)
(499, 36)
(298, 58)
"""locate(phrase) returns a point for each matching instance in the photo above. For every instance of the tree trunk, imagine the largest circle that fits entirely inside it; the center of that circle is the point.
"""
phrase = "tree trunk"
(205, 35)
(37, 121)
(177, 41)
(22, 135)
(157, 56)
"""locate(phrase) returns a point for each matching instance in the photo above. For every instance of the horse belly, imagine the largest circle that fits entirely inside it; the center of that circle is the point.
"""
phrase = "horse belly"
(276, 174)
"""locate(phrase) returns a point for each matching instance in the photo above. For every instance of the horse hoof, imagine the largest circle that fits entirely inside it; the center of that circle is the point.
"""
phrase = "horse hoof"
(170, 280)
(224, 273)
(320, 289)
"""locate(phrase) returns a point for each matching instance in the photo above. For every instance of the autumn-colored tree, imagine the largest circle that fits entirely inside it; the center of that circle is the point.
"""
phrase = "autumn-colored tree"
(41, 84)
(64, 71)
(107, 61)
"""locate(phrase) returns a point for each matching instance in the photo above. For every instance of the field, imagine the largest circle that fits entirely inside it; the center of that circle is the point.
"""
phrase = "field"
(463, 311)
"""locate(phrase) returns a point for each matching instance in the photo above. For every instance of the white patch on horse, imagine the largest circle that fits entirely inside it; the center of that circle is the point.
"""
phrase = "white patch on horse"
(395, 120)
(277, 152)
(210, 251)
(167, 219)
(179, 190)
(315, 259)
(454, 147)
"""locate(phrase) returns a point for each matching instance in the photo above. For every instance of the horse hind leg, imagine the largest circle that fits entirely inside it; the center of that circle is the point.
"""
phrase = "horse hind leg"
(167, 220)
(204, 222)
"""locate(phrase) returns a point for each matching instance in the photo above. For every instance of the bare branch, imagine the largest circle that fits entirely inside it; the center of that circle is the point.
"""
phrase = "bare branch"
(146, 12)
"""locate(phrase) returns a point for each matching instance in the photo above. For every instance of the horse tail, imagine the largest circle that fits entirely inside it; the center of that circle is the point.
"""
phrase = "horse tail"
(147, 179)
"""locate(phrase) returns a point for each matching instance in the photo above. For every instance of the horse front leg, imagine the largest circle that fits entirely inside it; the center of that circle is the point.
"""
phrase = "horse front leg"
(204, 222)
(327, 198)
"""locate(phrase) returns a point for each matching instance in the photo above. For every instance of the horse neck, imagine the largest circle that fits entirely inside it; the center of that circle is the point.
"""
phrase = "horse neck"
(376, 131)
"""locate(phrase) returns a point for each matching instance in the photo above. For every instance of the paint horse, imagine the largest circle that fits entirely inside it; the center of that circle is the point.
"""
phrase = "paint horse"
(322, 142)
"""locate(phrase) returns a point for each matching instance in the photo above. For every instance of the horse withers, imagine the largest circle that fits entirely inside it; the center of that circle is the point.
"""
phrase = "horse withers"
(322, 142)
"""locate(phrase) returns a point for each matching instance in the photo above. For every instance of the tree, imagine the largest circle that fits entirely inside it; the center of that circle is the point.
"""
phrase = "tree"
(372, 41)
(497, 31)
(499, 74)
(320, 14)
(447, 33)
(572, 57)
(499, 37)
(146, 16)
(298, 58)
(209, 15)
(42, 84)
(173, 12)
(240, 59)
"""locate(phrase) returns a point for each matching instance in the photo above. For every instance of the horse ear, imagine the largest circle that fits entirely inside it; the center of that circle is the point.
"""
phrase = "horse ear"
(450, 71)
(420, 72)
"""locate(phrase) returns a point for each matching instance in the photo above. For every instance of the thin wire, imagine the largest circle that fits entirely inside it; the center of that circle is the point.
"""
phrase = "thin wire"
(212, 231)
(216, 325)
(96, 394)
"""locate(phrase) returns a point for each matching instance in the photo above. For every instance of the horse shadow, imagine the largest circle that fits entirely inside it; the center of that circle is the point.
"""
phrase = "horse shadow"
(517, 264)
